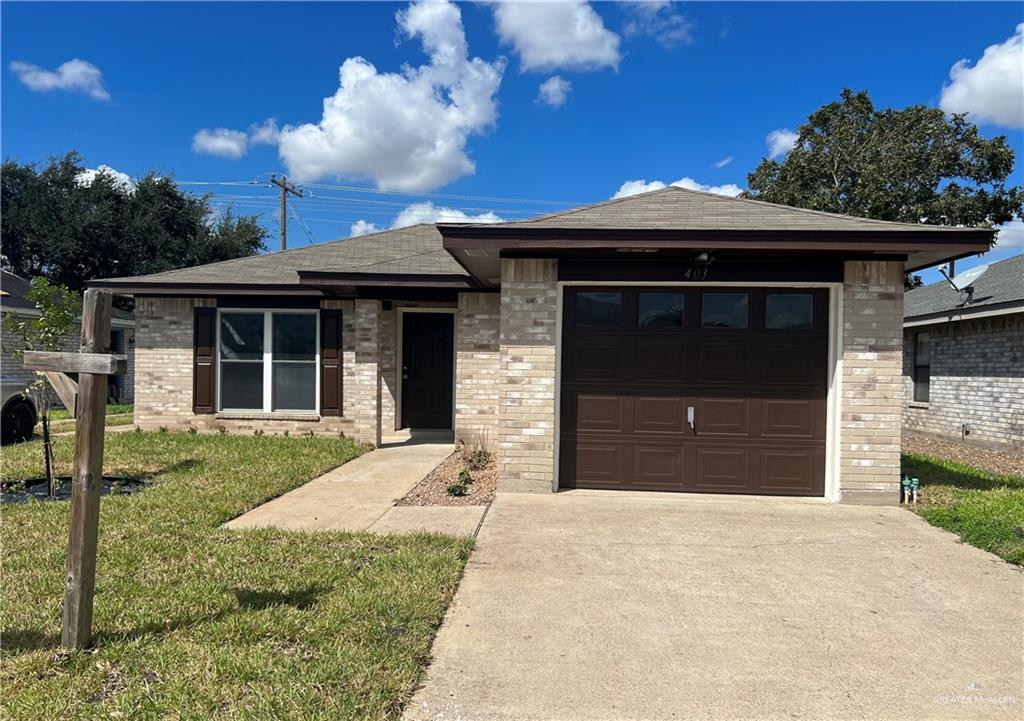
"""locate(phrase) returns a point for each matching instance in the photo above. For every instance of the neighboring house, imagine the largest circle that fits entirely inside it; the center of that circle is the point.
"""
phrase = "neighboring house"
(13, 301)
(673, 340)
(963, 365)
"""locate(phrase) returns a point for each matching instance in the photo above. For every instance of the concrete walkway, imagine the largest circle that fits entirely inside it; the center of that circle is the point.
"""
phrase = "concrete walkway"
(642, 606)
(360, 496)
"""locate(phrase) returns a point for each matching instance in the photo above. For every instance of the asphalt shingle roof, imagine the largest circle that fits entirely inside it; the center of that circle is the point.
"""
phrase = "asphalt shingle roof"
(1003, 282)
(676, 208)
(415, 250)
(14, 289)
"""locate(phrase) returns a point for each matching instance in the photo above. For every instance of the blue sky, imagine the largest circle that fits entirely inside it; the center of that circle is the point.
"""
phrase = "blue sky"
(655, 93)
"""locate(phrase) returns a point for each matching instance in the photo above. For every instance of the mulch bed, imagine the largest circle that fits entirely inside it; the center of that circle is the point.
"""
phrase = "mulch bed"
(1002, 462)
(36, 488)
(433, 490)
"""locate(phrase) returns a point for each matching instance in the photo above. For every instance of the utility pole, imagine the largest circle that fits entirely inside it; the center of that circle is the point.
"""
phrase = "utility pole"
(286, 188)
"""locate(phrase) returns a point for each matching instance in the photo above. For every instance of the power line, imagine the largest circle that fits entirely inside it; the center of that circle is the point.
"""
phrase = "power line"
(302, 223)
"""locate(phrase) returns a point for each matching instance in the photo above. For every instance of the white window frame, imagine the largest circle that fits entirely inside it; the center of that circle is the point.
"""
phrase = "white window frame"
(268, 361)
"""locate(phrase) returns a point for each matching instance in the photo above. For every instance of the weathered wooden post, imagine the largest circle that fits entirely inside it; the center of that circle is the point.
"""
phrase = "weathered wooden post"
(87, 400)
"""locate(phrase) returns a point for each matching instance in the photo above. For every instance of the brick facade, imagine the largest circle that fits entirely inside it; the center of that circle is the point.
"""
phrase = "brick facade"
(528, 357)
(977, 380)
(872, 385)
(477, 368)
(365, 388)
(12, 366)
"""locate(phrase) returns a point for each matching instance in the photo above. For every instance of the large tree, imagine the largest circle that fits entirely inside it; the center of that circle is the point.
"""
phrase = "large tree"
(70, 226)
(915, 165)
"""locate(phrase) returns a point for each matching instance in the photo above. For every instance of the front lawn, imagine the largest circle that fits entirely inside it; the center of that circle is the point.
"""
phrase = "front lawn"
(113, 409)
(193, 621)
(985, 509)
(118, 414)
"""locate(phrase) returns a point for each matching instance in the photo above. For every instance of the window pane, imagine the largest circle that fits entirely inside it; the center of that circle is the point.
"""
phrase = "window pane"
(724, 310)
(660, 310)
(921, 390)
(922, 349)
(241, 385)
(294, 336)
(789, 310)
(295, 386)
(241, 336)
(598, 310)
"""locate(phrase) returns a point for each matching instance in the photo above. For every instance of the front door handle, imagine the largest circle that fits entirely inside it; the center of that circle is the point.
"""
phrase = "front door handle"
(691, 417)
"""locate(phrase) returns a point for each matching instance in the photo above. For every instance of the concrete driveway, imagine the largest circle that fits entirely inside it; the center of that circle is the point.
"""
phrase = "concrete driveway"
(589, 605)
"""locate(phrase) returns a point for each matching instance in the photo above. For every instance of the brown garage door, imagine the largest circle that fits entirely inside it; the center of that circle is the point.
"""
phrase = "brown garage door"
(716, 390)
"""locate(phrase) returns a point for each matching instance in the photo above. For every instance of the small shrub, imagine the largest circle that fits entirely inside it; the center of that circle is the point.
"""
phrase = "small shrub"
(458, 489)
(464, 477)
(258, 432)
(192, 430)
(163, 429)
(222, 430)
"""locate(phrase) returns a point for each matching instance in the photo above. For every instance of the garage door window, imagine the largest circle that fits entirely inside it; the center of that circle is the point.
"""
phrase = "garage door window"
(660, 310)
(789, 311)
(724, 310)
(598, 310)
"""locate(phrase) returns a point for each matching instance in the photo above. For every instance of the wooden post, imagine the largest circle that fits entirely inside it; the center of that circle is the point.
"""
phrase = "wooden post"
(80, 580)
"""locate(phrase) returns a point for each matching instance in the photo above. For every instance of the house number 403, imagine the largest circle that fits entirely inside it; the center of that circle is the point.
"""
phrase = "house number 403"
(698, 273)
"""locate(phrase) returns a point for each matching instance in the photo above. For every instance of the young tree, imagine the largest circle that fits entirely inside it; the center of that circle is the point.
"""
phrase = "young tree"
(915, 165)
(72, 227)
(58, 312)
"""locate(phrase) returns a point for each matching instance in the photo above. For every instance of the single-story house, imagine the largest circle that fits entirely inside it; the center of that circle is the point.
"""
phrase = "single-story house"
(673, 340)
(13, 301)
(963, 363)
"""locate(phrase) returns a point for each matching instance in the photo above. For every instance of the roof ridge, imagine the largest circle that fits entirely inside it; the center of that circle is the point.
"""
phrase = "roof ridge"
(570, 211)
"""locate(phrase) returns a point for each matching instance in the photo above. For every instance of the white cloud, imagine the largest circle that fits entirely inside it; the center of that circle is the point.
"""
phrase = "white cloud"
(405, 131)
(780, 142)
(993, 90)
(220, 141)
(425, 212)
(549, 35)
(729, 189)
(75, 76)
(265, 133)
(723, 162)
(1011, 235)
(659, 20)
(634, 187)
(554, 91)
(361, 227)
(122, 181)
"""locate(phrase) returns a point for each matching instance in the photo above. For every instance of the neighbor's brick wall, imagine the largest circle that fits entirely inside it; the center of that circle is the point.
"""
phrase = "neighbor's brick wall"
(872, 385)
(477, 368)
(163, 375)
(11, 366)
(977, 378)
(529, 321)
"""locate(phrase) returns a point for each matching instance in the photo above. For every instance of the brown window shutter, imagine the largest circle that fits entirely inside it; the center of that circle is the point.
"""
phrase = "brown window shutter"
(203, 370)
(330, 363)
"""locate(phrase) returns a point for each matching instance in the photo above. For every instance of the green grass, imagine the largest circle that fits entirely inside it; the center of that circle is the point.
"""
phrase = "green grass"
(192, 621)
(986, 510)
(113, 409)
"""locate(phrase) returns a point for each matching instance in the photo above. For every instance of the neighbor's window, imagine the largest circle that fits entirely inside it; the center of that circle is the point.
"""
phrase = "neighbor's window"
(789, 311)
(660, 310)
(598, 310)
(257, 375)
(922, 366)
(724, 310)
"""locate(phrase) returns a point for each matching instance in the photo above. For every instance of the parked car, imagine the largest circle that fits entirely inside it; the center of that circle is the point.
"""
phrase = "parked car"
(19, 416)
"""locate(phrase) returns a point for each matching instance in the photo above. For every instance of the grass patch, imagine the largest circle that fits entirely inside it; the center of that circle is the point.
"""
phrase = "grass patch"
(985, 509)
(192, 621)
(113, 409)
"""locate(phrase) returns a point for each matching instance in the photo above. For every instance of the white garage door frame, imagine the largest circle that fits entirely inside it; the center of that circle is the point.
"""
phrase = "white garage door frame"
(835, 361)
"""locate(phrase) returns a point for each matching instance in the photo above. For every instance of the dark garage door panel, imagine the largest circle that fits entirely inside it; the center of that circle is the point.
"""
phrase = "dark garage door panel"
(758, 395)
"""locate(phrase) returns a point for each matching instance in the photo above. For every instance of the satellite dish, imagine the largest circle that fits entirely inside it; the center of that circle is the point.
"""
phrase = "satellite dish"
(963, 283)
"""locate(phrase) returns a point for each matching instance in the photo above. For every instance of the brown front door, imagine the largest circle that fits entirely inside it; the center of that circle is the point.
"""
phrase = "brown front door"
(427, 370)
(717, 390)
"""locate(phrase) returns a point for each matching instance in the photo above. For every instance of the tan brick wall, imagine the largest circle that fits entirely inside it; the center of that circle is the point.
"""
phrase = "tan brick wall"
(389, 369)
(529, 322)
(365, 389)
(872, 384)
(477, 368)
(163, 373)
